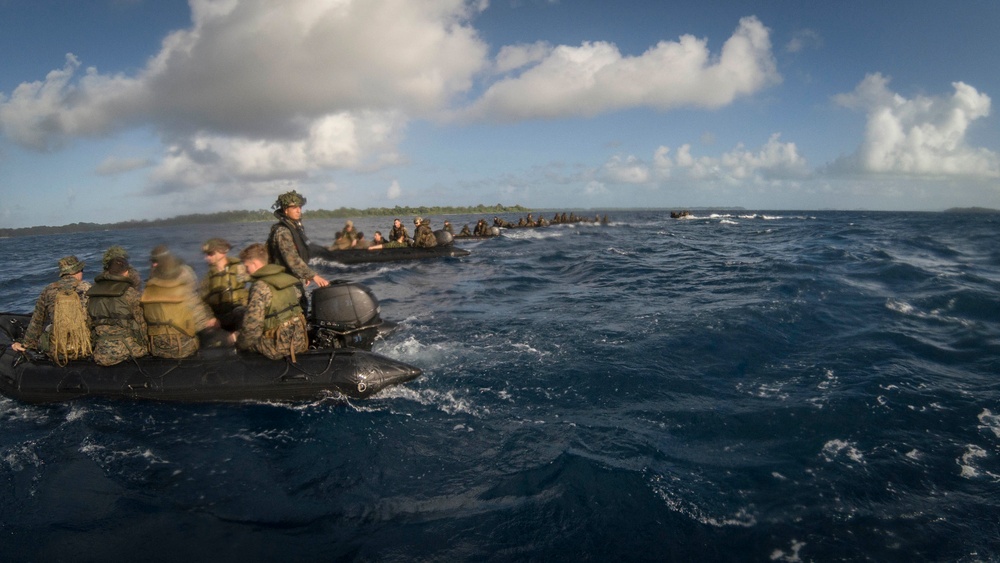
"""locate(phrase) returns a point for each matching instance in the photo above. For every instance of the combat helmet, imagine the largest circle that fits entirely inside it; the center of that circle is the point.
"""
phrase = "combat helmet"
(289, 199)
(113, 251)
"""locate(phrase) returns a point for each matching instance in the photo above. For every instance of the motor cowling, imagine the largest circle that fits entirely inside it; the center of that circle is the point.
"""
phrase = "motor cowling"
(443, 237)
(344, 306)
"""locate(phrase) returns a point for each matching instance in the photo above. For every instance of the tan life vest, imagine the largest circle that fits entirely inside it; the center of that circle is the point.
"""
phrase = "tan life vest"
(163, 305)
(223, 287)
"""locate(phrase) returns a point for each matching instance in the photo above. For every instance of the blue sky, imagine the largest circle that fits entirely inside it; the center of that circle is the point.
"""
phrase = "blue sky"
(114, 110)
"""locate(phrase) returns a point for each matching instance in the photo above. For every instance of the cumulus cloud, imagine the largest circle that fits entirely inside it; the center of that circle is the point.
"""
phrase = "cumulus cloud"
(773, 161)
(595, 77)
(258, 89)
(394, 191)
(924, 135)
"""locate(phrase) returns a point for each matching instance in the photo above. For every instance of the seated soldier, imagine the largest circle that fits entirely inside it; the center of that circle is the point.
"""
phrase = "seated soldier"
(482, 229)
(224, 288)
(173, 310)
(465, 232)
(378, 243)
(58, 325)
(398, 232)
(116, 317)
(423, 236)
(361, 243)
(448, 229)
(274, 325)
(345, 239)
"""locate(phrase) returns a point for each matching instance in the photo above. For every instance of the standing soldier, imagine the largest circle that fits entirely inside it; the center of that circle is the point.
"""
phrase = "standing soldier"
(116, 318)
(63, 305)
(274, 324)
(224, 289)
(288, 246)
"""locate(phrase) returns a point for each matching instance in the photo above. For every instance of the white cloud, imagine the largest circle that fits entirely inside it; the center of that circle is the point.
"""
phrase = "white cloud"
(773, 161)
(628, 170)
(394, 191)
(263, 89)
(922, 136)
(513, 57)
(595, 78)
(804, 39)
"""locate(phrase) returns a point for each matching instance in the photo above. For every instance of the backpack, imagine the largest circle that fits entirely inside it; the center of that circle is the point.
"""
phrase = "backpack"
(70, 338)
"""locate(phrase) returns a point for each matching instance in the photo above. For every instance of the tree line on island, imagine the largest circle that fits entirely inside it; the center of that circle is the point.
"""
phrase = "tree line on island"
(261, 215)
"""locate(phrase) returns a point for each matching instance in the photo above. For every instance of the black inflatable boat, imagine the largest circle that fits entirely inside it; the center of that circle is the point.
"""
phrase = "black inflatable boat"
(444, 249)
(344, 323)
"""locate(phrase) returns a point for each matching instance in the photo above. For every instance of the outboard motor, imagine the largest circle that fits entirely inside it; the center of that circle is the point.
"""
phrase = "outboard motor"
(443, 237)
(344, 314)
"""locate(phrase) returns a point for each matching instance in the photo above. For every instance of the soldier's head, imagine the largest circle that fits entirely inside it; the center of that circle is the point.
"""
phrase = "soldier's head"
(158, 253)
(418, 220)
(290, 204)
(117, 266)
(219, 245)
(254, 257)
(112, 252)
(167, 267)
(70, 265)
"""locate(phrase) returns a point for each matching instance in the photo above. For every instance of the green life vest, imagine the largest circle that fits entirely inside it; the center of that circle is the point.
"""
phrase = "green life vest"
(104, 306)
(164, 308)
(284, 304)
(223, 287)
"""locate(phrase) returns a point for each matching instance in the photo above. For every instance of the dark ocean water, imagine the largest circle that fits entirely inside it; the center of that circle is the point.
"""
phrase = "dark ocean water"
(781, 386)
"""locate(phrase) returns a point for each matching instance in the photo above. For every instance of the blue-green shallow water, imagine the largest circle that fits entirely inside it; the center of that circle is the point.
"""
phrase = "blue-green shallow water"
(788, 386)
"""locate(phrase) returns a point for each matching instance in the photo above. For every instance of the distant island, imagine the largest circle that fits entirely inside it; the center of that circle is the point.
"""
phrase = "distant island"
(261, 215)
(971, 210)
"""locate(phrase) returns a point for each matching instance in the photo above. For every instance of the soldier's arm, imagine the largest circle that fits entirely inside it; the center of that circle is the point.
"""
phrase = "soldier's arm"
(253, 321)
(288, 251)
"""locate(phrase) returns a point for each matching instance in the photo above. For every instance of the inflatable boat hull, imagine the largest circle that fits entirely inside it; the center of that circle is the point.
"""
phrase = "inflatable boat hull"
(385, 254)
(212, 375)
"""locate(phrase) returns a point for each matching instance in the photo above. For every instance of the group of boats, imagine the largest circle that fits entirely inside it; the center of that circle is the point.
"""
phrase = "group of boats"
(345, 321)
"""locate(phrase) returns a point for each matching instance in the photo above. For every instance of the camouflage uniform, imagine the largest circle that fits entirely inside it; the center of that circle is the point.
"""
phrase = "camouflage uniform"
(423, 236)
(396, 233)
(45, 308)
(286, 339)
(281, 238)
(117, 339)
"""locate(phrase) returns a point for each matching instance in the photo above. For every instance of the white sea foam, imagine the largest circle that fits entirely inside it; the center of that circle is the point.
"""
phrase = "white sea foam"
(990, 421)
(103, 455)
(969, 459)
(792, 555)
(445, 401)
(907, 309)
(21, 456)
(836, 448)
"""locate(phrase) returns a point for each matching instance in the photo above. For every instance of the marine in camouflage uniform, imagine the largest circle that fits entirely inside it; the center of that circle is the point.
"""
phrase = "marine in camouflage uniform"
(224, 288)
(173, 309)
(274, 324)
(423, 236)
(70, 279)
(116, 315)
(399, 233)
(117, 251)
(287, 244)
